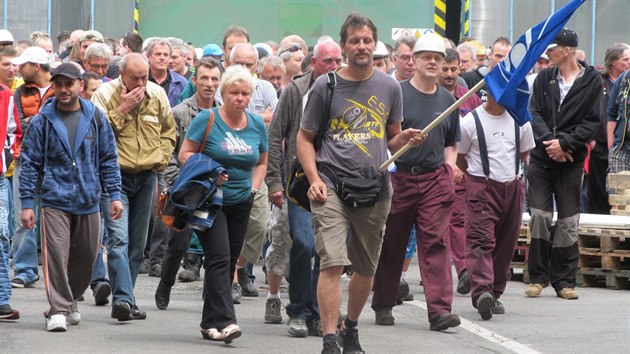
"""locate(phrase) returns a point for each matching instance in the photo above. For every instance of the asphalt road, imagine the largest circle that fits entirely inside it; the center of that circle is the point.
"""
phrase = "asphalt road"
(599, 322)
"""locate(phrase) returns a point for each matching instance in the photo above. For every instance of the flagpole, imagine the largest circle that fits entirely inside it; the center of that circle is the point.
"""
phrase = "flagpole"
(435, 122)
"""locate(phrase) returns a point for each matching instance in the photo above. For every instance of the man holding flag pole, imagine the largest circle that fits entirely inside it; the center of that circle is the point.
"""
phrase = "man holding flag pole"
(566, 109)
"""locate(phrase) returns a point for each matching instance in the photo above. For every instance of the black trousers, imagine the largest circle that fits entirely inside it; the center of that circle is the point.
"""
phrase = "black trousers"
(554, 257)
(222, 245)
(597, 195)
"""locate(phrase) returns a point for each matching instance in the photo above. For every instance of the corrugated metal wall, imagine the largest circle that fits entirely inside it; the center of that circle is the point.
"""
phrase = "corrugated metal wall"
(113, 18)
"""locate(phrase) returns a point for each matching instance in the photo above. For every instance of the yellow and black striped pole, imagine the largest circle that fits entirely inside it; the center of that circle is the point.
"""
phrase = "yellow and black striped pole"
(465, 18)
(136, 15)
(439, 18)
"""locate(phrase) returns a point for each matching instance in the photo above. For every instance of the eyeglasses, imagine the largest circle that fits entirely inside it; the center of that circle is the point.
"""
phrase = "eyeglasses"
(404, 58)
(271, 78)
(96, 67)
(428, 56)
(292, 49)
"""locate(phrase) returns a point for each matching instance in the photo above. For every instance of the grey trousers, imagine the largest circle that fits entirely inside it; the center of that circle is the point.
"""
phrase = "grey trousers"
(69, 245)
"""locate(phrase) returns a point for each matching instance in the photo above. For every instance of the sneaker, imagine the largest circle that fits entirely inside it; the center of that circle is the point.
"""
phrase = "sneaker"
(74, 317)
(568, 294)
(485, 302)
(297, 327)
(145, 267)
(444, 322)
(18, 283)
(534, 289)
(403, 291)
(273, 311)
(331, 346)
(101, 292)
(212, 334)
(349, 338)
(56, 323)
(463, 285)
(7, 313)
(384, 317)
(192, 268)
(314, 327)
(248, 289)
(498, 308)
(156, 271)
(230, 333)
(236, 294)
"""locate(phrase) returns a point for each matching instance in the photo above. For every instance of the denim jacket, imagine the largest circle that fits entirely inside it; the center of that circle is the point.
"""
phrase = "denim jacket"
(195, 192)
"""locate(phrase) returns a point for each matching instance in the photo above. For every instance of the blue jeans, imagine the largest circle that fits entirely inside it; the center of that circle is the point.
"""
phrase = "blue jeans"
(98, 268)
(302, 275)
(127, 236)
(24, 240)
(5, 202)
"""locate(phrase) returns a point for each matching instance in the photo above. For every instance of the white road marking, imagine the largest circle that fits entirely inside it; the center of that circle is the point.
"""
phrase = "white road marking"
(487, 334)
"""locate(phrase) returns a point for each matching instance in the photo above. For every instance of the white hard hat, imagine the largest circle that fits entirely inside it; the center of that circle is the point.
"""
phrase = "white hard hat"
(6, 36)
(430, 42)
(381, 50)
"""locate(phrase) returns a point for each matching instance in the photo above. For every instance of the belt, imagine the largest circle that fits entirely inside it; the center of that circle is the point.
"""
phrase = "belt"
(417, 170)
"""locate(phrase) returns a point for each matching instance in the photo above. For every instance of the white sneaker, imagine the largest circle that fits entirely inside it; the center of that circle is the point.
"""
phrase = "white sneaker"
(74, 317)
(56, 323)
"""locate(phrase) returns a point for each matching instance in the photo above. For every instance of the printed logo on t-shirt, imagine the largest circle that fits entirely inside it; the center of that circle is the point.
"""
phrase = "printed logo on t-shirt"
(235, 145)
(360, 123)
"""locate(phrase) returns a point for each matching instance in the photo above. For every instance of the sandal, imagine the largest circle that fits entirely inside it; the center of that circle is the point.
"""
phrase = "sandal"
(230, 333)
(212, 334)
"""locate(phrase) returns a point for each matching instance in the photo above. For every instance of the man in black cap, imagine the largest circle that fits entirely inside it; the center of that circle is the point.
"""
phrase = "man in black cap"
(567, 108)
(68, 155)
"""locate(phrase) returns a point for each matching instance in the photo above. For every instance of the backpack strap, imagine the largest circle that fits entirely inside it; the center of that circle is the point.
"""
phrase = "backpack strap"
(332, 82)
(207, 132)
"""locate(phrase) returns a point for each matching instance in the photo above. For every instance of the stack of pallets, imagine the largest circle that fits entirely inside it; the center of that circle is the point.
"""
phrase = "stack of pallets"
(604, 257)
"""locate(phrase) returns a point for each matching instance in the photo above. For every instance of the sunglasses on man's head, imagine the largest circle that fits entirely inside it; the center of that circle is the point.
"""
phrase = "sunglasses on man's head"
(292, 49)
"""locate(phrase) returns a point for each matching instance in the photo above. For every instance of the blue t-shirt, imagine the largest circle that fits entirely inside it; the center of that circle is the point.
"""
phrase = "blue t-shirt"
(237, 150)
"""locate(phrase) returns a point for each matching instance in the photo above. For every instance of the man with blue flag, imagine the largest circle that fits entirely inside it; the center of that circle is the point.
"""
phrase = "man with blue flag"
(567, 108)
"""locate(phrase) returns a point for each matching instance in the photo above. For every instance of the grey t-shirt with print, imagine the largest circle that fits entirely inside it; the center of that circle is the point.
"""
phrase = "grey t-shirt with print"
(355, 140)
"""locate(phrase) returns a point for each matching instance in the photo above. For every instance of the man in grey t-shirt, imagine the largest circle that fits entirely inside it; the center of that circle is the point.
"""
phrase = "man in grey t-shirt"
(423, 194)
(364, 120)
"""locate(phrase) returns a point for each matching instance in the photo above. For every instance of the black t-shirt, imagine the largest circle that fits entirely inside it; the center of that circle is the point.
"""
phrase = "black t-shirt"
(420, 109)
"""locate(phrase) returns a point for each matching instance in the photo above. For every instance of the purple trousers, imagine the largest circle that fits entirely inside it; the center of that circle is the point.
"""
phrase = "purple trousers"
(427, 201)
(456, 238)
(494, 213)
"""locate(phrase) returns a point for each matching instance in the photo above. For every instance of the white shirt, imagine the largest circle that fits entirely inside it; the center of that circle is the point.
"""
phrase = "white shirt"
(500, 141)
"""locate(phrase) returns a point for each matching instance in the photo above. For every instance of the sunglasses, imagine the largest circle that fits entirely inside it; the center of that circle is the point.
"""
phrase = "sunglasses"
(291, 49)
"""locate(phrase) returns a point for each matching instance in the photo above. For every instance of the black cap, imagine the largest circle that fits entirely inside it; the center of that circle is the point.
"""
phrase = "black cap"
(68, 70)
(566, 38)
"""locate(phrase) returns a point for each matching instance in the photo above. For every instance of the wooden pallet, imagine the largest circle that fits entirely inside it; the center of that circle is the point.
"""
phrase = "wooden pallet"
(593, 258)
(594, 277)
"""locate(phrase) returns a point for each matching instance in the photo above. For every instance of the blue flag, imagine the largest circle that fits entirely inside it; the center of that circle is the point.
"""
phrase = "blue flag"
(507, 81)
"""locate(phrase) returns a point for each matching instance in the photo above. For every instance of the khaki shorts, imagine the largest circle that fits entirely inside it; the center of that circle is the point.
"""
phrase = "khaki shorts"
(361, 246)
(257, 226)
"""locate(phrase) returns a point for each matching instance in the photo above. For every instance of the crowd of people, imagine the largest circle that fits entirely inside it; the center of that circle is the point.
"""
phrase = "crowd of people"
(95, 130)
